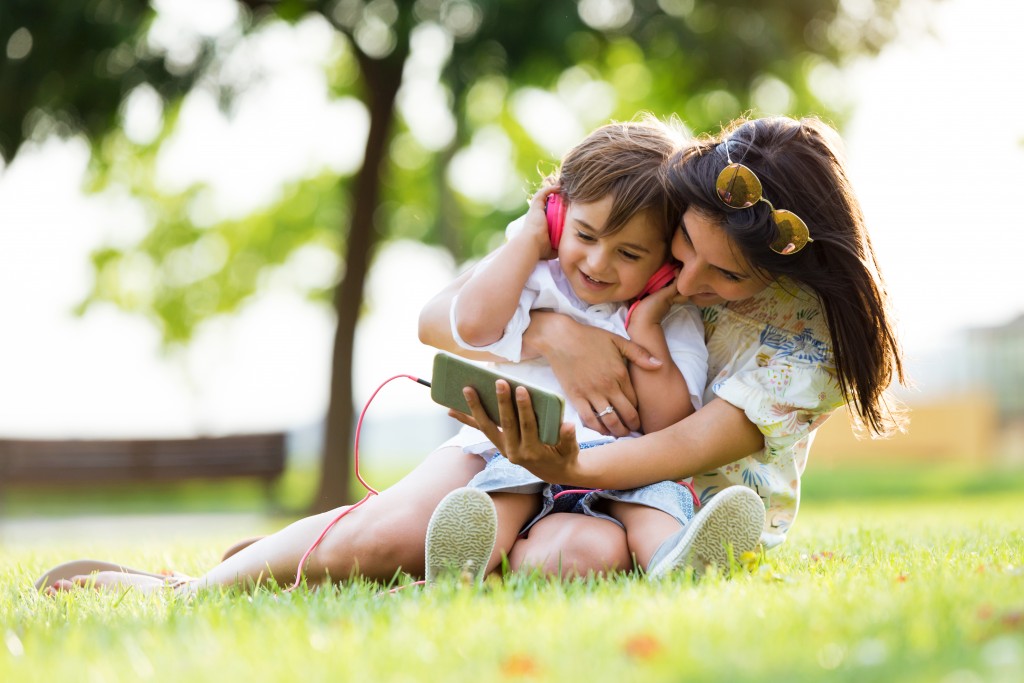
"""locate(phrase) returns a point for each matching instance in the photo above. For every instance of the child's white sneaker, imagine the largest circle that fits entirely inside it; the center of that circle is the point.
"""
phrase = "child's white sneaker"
(734, 517)
(461, 536)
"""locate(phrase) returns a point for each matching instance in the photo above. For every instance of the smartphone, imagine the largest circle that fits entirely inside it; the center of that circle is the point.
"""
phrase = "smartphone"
(451, 374)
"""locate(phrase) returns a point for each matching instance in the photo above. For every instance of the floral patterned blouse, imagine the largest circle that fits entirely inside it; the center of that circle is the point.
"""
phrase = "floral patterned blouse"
(771, 356)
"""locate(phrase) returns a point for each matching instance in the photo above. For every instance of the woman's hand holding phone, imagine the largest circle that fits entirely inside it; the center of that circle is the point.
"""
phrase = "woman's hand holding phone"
(515, 434)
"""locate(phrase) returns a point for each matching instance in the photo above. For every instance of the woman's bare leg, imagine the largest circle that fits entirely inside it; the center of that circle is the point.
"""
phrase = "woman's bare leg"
(568, 545)
(375, 540)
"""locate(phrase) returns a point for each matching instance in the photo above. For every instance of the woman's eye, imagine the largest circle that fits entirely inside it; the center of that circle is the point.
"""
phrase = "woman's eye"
(686, 235)
(731, 277)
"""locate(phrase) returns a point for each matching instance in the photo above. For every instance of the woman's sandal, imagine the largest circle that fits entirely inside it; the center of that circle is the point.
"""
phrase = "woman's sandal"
(68, 570)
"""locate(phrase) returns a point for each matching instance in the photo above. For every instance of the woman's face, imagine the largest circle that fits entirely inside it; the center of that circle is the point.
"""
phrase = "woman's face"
(713, 270)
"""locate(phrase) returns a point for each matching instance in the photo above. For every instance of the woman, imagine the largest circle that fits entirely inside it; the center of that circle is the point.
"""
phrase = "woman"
(774, 250)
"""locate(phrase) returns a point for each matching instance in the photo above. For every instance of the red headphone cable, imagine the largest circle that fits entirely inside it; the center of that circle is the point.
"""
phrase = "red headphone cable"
(355, 457)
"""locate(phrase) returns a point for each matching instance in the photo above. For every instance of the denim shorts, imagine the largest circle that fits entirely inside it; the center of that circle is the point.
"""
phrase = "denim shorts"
(502, 476)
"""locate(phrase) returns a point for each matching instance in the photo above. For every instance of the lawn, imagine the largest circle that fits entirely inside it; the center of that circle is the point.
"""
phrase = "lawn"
(925, 588)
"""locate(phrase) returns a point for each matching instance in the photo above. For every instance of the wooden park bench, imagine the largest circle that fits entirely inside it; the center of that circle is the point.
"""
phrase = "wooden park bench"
(51, 463)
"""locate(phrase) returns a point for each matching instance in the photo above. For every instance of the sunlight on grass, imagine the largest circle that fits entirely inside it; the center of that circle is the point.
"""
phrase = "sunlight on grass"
(917, 591)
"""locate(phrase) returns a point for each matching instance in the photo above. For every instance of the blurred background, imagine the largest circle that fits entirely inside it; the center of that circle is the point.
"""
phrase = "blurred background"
(221, 217)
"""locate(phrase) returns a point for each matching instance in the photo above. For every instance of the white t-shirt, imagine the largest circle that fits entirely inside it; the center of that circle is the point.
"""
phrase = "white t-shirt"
(547, 289)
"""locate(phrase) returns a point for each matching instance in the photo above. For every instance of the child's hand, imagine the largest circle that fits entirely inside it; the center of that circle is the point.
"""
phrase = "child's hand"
(535, 227)
(653, 308)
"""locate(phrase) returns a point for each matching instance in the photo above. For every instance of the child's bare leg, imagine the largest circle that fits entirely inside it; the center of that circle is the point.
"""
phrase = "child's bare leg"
(646, 528)
(567, 545)
(514, 511)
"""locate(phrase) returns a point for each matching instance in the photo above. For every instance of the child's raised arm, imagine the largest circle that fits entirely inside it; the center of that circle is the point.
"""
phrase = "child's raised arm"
(663, 397)
(490, 297)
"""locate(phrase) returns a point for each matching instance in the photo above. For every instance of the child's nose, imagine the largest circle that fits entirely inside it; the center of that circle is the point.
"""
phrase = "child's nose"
(597, 259)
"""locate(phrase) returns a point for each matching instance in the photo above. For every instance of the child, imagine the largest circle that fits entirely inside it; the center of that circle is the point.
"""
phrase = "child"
(617, 231)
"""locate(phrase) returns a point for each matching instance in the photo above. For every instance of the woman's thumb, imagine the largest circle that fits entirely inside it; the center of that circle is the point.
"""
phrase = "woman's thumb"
(637, 355)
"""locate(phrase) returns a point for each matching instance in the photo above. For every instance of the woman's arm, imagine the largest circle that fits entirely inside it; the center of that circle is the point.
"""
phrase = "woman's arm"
(715, 435)
(663, 398)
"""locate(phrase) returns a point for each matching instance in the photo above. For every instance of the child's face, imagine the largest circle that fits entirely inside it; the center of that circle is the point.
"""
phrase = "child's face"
(609, 268)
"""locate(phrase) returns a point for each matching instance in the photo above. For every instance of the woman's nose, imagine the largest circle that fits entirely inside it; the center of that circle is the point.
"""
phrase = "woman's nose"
(688, 281)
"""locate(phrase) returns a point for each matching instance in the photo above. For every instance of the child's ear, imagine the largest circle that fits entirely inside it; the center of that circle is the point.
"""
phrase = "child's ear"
(555, 211)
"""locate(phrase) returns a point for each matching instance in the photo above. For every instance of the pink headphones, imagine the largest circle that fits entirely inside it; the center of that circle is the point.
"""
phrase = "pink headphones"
(663, 277)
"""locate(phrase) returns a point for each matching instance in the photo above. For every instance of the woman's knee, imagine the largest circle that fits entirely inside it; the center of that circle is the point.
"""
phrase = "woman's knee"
(387, 533)
(568, 545)
(374, 543)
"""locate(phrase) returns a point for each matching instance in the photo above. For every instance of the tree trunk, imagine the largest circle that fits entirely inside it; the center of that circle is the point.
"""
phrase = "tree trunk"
(382, 79)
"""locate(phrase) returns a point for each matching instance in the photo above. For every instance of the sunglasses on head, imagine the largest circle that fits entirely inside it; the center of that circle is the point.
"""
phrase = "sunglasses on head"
(739, 188)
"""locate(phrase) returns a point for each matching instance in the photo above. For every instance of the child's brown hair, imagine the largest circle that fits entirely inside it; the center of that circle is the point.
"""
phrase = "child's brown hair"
(626, 160)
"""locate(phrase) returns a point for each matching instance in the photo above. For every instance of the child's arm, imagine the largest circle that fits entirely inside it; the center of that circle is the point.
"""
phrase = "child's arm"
(490, 297)
(663, 397)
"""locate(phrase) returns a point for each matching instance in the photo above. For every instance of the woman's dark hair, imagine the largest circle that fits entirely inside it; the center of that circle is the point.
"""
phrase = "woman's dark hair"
(801, 170)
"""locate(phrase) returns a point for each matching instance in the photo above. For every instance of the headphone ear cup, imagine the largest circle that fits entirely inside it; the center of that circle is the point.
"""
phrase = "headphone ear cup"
(662, 277)
(555, 211)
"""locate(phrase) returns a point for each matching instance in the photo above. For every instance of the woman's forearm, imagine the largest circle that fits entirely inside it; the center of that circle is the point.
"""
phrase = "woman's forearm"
(712, 437)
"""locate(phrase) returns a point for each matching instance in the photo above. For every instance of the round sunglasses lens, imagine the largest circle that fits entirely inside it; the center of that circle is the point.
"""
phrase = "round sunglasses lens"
(738, 187)
(793, 233)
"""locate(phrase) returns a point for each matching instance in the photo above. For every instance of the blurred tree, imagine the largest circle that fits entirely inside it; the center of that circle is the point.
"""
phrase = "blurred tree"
(69, 64)
(499, 66)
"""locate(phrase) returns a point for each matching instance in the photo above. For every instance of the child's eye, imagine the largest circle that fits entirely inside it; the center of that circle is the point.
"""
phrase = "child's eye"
(584, 237)
(630, 256)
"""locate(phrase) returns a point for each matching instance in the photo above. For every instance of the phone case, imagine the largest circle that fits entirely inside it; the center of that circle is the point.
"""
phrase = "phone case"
(451, 374)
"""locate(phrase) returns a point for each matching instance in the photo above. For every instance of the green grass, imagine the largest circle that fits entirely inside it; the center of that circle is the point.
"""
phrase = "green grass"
(881, 590)
(920, 481)
(296, 488)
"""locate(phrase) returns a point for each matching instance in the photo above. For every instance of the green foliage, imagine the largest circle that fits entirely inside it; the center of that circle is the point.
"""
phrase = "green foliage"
(183, 273)
(69, 64)
(707, 62)
(887, 592)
